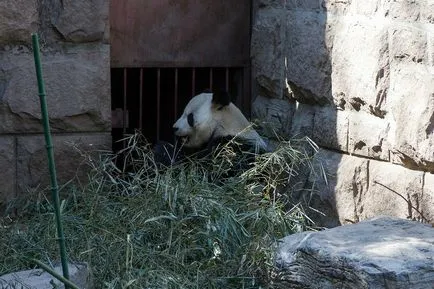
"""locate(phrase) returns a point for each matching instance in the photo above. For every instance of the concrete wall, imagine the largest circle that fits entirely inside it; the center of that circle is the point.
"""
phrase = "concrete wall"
(76, 66)
(358, 78)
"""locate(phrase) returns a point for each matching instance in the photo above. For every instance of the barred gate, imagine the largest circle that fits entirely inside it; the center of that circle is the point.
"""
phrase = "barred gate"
(164, 52)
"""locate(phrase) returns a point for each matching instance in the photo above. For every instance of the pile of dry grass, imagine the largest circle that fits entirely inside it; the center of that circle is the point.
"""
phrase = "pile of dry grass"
(141, 227)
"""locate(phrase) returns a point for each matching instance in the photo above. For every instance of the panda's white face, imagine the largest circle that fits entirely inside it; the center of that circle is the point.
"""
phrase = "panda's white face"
(211, 115)
(196, 124)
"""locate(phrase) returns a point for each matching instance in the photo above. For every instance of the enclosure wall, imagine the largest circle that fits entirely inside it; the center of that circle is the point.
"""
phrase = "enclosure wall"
(358, 78)
(76, 67)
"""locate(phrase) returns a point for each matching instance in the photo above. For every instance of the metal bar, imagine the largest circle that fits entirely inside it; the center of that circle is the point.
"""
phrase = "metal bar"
(210, 78)
(246, 93)
(141, 100)
(124, 109)
(158, 101)
(193, 82)
(50, 153)
(227, 78)
(176, 95)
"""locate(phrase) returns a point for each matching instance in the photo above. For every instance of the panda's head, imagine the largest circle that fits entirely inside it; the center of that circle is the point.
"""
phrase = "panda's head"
(209, 116)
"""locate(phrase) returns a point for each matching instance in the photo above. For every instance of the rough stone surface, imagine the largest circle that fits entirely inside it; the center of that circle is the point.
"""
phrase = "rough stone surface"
(39, 279)
(308, 66)
(413, 137)
(394, 191)
(82, 21)
(367, 136)
(360, 66)
(19, 18)
(358, 189)
(33, 164)
(330, 127)
(268, 41)
(362, 75)
(275, 113)
(75, 59)
(380, 253)
(345, 193)
(428, 197)
(76, 81)
(8, 168)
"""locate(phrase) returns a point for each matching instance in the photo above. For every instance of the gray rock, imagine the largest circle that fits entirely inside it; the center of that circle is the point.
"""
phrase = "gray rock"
(82, 20)
(32, 163)
(380, 253)
(331, 127)
(39, 279)
(308, 66)
(267, 50)
(413, 126)
(19, 18)
(358, 189)
(368, 135)
(76, 81)
(8, 168)
(302, 4)
(362, 75)
(275, 113)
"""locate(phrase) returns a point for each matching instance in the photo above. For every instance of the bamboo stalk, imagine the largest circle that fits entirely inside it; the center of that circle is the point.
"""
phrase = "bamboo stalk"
(54, 274)
(50, 153)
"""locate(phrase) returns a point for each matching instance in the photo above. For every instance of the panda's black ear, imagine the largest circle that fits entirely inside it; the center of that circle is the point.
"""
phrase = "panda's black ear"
(221, 97)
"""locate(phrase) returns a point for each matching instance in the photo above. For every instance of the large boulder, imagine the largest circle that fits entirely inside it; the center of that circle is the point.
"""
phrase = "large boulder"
(38, 279)
(380, 253)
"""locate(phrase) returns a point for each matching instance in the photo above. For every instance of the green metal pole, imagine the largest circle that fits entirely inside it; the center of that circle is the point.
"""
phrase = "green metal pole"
(51, 165)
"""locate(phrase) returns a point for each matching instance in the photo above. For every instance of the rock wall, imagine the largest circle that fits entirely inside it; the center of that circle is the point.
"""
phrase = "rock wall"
(76, 67)
(358, 78)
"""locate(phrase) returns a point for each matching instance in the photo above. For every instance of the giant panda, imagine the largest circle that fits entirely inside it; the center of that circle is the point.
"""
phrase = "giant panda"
(209, 121)
(210, 118)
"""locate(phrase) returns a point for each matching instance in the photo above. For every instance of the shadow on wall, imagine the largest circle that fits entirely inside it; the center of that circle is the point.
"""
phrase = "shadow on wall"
(308, 72)
(292, 70)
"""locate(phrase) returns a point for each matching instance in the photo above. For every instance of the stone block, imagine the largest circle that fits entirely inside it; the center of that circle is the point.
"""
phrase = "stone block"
(38, 279)
(274, 113)
(411, 11)
(308, 65)
(267, 50)
(19, 18)
(303, 5)
(269, 3)
(82, 20)
(8, 168)
(347, 180)
(331, 128)
(409, 43)
(393, 191)
(412, 105)
(77, 81)
(379, 253)
(336, 6)
(426, 204)
(358, 188)
(32, 165)
(360, 62)
(368, 135)
(303, 120)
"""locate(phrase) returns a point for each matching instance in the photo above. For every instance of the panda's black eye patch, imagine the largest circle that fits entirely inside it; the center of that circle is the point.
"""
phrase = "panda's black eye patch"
(190, 119)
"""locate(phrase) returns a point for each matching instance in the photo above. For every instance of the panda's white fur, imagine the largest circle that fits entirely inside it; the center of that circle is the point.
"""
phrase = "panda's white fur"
(210, 116)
